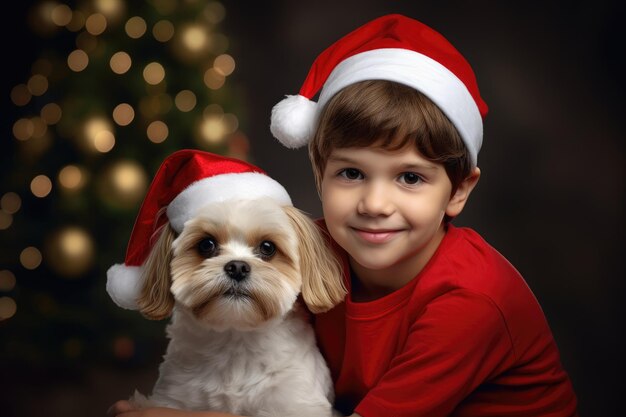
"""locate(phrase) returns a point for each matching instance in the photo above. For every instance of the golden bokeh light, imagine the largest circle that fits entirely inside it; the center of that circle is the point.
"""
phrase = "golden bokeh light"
(77, 22)
(30, 258)
(96, 24)
(123, 114)
(195, 38)
(98, 134)
(39, 127)
(120, 62)
(41, 186)
(213, 79)
(185, 100)
(51, 113)
(70, 251)
(37, 85)
(112, 9)
(157, 131)
(10, 202)
(123, 184)
(61, 15)
(214, 12)
(8, 308)
(6, 220)
(77, 60)
(71, 178)
(231, 123)
(20, 96)
(23, 129)
(7, 280)
(163, 30)
(135, 27)
(212, 129)
(153, 73)
(224, 64)
(104, 141)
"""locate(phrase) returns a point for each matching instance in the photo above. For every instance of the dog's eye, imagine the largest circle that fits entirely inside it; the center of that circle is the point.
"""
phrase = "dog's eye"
(267, 248)
(207, 247)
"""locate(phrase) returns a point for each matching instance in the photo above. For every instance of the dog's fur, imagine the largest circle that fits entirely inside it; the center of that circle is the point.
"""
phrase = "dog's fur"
(240, 341)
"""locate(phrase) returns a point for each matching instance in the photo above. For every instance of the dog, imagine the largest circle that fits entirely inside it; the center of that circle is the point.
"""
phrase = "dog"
(234, 282)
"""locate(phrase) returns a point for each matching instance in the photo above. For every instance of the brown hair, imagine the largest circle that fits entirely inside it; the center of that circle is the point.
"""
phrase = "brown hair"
(390, 115)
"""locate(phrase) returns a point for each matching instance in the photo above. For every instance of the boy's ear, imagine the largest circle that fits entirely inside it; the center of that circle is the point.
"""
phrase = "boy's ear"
(462, 193)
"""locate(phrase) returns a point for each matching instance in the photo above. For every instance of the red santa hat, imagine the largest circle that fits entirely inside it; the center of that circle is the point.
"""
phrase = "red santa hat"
(394, 48)
(186, 181)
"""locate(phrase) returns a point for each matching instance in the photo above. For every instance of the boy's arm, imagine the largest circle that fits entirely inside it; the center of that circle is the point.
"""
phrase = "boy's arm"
(458, 341)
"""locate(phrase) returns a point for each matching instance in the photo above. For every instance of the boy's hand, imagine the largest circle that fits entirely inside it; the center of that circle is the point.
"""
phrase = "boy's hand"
(124, 408)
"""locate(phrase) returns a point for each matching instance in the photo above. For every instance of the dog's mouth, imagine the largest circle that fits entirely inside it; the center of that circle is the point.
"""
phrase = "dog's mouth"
(236, 292)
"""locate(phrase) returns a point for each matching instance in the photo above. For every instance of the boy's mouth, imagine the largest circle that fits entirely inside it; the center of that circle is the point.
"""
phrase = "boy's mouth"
(375, 236)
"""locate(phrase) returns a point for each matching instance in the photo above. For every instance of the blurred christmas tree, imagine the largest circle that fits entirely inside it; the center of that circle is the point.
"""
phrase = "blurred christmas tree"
(119, 85)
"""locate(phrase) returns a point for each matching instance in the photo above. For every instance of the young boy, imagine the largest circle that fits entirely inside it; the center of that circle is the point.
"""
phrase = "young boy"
(436, 322)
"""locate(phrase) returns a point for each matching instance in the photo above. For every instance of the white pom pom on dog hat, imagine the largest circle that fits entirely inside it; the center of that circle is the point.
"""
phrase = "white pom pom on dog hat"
(185, 182)
(394, 48)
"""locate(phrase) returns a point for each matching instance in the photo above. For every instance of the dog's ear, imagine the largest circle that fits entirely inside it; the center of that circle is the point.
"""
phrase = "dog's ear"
(156, 301)
(322, 278)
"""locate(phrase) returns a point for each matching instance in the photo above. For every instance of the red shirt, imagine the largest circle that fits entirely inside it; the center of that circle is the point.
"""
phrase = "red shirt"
(466, 337)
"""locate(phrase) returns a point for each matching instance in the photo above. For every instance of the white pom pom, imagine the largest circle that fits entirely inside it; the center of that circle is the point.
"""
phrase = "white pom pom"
(293, 121)
(124, 285)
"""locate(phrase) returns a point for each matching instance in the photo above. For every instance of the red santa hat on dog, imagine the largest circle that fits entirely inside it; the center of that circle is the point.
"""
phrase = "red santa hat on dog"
(187, 181)
(394, 48)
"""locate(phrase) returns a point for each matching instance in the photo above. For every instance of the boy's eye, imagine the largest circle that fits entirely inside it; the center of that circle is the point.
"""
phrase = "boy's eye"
(410, 178)
(351, 174)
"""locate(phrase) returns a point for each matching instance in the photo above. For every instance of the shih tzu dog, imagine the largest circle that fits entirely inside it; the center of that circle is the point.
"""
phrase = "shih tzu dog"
(218, 246)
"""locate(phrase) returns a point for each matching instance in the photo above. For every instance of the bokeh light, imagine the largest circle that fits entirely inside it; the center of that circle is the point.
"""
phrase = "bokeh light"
(6, 220)
(153, 73)
(224, 64)
(10, 203)
(20, 96)
(61, 15)
(51, 113)
(7, 280)
(8, 308)
(214, 79)
(30, 258)
(70, 251)
(157, 131)
(41, 186)
(98, 135)
(123, 114)
(72, 178)
(77, 60)
(163, 30)
(120, 62)
(96, 24)
(123, 184)
(135, 27)
(185, 100)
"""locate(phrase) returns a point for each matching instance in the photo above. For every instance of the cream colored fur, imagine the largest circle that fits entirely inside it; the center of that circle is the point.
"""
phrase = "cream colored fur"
(242, 346)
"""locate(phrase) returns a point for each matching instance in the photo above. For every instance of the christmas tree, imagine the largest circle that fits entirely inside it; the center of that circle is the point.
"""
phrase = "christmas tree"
(119, 85)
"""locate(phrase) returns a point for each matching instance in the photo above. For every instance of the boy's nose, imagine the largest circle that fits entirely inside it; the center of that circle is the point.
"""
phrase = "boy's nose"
(375, 201)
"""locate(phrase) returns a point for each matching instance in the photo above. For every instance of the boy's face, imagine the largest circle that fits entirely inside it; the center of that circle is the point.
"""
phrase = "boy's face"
(386, 209)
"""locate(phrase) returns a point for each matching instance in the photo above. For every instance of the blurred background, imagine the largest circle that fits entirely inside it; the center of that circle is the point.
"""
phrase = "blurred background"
(97, 92)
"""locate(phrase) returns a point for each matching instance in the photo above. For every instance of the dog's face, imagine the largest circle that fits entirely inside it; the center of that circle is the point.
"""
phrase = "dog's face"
(237, 264)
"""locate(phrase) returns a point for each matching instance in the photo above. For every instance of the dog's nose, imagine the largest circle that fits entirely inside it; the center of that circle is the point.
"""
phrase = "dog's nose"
(237, 270)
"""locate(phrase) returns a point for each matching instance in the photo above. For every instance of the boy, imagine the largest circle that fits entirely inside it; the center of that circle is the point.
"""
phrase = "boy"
(436, 322)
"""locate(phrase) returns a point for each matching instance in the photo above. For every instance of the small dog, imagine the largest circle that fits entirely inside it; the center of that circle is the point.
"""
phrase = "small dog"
(240, 341)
